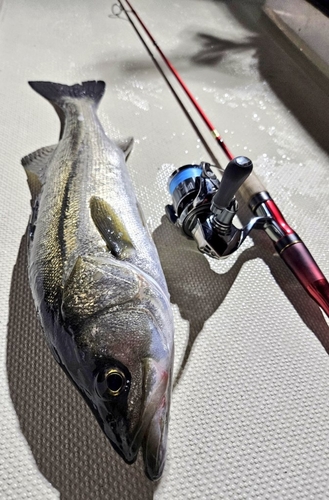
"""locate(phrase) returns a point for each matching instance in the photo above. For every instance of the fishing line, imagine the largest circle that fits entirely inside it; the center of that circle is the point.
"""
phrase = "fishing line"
(286, 241)
(195, 103)
(172, 89)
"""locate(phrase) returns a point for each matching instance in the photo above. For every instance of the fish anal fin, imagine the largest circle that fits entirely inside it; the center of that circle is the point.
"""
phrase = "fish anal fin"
(38, 159)
(111, 228)
(34, 184)
(35, 165)
(126, 145)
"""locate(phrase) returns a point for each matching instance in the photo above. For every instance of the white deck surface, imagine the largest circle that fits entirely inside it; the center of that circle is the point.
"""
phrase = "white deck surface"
(249, 416)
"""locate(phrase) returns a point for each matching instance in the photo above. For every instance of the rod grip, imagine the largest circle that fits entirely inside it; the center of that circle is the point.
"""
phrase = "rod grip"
(234, 175)
(251, 186)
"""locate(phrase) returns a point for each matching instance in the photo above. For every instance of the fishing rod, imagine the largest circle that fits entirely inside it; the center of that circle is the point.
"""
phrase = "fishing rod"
(204, 208)
(177, 97)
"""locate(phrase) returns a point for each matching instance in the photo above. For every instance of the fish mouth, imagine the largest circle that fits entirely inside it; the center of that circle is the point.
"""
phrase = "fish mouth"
(155, 419)
(155, 442)
(151, 431)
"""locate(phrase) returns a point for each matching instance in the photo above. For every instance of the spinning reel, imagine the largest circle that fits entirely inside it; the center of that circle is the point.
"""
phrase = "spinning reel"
(204, 208)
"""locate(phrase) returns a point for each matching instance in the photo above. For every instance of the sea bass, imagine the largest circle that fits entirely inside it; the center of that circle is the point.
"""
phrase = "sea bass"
(96, 278)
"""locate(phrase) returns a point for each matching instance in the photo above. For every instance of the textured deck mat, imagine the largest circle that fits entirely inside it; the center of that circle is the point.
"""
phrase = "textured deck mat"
(249, 416)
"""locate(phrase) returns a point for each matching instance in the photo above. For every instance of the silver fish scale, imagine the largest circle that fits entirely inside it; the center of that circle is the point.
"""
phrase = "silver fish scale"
(94, 166)
(97, 280)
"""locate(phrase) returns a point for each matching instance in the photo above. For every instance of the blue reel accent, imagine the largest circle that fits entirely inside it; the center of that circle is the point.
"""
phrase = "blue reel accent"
(188, 172)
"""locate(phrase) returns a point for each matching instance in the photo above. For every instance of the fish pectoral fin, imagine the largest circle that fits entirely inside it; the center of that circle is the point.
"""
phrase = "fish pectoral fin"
(111, 228)
(126, 145)
(35, 165)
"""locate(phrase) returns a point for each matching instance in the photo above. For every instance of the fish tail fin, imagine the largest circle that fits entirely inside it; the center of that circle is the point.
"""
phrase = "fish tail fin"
(56, 93)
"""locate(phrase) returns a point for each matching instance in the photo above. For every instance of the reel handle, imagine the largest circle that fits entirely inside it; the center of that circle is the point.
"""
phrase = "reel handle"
(234, 175)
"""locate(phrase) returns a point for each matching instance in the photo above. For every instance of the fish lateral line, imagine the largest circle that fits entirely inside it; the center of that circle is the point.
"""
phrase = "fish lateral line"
(101, 305)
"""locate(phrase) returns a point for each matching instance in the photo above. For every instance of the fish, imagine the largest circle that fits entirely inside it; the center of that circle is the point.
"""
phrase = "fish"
(96, 279)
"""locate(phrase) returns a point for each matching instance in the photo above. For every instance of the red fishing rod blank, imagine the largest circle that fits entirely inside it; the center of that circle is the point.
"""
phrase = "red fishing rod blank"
(288, 244)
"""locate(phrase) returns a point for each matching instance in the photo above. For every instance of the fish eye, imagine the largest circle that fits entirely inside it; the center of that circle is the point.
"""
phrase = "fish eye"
(115, 380)
(112, 381)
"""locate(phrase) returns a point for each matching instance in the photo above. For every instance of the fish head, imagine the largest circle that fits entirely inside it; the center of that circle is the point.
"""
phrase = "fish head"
(128, 383)
(124, 358)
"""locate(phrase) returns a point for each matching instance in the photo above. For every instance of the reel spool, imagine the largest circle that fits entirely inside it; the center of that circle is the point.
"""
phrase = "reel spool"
(192, 188)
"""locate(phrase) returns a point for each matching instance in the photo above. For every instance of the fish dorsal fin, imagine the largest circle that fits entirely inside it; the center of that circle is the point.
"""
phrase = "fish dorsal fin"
(35, 165)
(111, 228)
(126, 145)
(97, 283)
